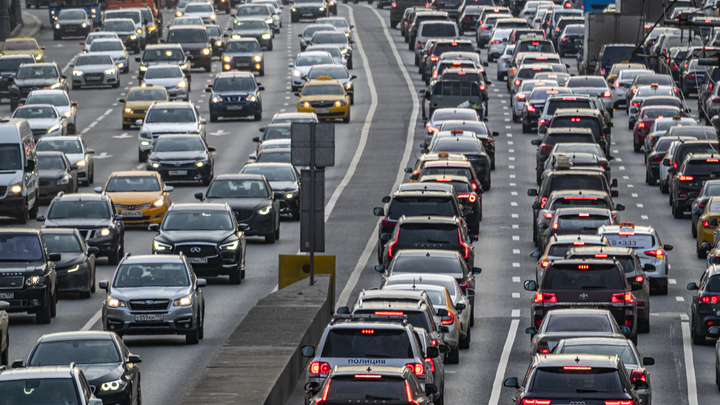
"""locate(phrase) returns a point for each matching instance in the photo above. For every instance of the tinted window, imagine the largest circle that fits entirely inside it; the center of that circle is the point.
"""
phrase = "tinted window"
(348, 389)
(595, 278)
(703, 168)
(535, 46)
(51, 163)
(451, 145)
(381, 343)
(79, 209)
(438, 30)
(578, 323)
(578, 202)
(582, 223)
(555, 104)
(37, 72)
(105, 46)
(11, 64)
(234, 84)
(242, 46)
(34, 112)
(433, 264)
(186, 36)
(173, 144)
(118, 26)
(271, 173)
(39, 391)
(273, 156)
(581, 82)
(146, 95)
(63, 243)
(415, 318)
(167, 115)
(276, 133)
(428, 234)
(75, 351)
(20, 248)
(577, 122)
(421, 206)
(576, 183)
(151, 275)
(557, 380)
(197, 221)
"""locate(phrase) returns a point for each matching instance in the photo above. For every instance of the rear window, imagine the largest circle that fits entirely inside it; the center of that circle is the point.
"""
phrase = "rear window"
(566, 138)
(578, 323)
(559, 249)
(447, 265)
(421, 206)
(576, 183)
(559, 380)
(438, 30)
(654, 79)
(595, 278)
(424, 235)
(571, 102)
(660, 113)
(449, 47)
(713, 284)
(697, 149)
(577, 122)
(529, 73)
(582, 222)
(662, 101)
(542, 95)
(415, 318)
(348, 389)
(456, 88)
(367, 343)
(451, 171)
(631, 241)
(579, 202)
(581, 82)
(702, 168)
(617, 54)
(536, 46)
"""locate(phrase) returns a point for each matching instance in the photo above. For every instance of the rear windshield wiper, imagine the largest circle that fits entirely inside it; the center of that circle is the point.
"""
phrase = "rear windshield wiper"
(384, 356)
(593, 287)
(581, 390)
(437, 241)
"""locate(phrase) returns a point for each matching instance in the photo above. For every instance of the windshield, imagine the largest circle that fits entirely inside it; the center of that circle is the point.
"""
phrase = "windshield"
(578, 323)
(178, 144)
(243, 46)
(238, 189)
(163, 54)
(530, 72)
(39, 391)
(582, 222)
(55, 99)
(132, 184)
(577, 122)
(199, 8)
(99, 35)
(537, 96)
(55, 162)
(34, 112)
(421, 206)
(461, 146)
(10, 158)
(166, 115)
(314, 59)
(197, 221)
(234, 84)
(94, 60)
(334, 73)
(37, 72)
(277, 133)
(106, 46)
(660, 113)
(75, 351)
(250, 25)
(79, 209)
(559, 380)
(271, 173)
(115, 14)
(357, 343)
(274, 156)
(244, 11)
(20, 46)
(151, 275)
(336, 22)
(187, 36)
(323, 89)
(147, 95)
(20, 248)
(214, 31)
(63, 243)
(664, 124)
(118, 26)
(164, 72)
(72, 15)
(309, 31)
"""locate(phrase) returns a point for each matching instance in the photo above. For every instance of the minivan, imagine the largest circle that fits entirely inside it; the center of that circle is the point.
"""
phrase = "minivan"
(18, 170)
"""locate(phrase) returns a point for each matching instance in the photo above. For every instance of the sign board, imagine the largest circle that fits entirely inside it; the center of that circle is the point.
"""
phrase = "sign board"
(312, 201)
(293, 268)
(301, 144)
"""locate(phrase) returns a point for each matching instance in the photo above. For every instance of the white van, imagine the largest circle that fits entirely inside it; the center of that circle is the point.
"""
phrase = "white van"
(18, 170)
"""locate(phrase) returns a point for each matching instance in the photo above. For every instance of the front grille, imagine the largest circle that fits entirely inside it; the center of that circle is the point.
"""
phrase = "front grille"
(149, 305)
(322, 104)
(234, 99)
(44, 183)
(93, 77)
(3, 190)
(243, 215)
(11, 282)
(197, 250)
(242, 60)
(131, 207)
(39, 132)
(177, 163)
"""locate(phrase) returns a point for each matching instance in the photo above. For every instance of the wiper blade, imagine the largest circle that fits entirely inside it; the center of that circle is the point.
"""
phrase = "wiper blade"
(437, 241)
(384, 356)
(593, 287)
(581, 390)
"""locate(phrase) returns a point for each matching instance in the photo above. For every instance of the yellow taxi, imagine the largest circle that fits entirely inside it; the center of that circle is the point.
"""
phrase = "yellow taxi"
(138, 100)
(23, 46)
(431, 157)
(616, 68)
(140, 197)
(706, 225)
(326, 98)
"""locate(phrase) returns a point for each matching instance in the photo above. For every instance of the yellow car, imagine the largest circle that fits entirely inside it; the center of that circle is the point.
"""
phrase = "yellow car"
(140, 197)
(23, 46)
(706, 225)
(430, 157)
(616, 68)
(326, 98)
(138, 100)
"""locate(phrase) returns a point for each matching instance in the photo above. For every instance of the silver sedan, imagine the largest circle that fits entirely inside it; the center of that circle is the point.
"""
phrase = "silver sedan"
(95, 69)
(171, 77)
(76, 152)
(44, 120)
(116, 49)
(61, 101)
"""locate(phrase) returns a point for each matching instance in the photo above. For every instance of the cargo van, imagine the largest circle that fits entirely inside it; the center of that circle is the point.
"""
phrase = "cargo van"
(452, 93)
(18, 170)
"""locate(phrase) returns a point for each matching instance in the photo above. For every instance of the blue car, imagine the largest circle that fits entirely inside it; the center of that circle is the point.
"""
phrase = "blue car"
(234, 95)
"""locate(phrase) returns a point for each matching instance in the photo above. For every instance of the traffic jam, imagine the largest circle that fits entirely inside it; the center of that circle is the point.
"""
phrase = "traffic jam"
(155, 237)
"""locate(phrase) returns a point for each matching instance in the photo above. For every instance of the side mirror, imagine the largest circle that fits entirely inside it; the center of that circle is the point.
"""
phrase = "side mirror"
(343, 310)
(460, 306)
(444, 348)
(532, 192)
(353, 77)
(103, 284)
(201, 282)
(208, 90)
(252, 156)
(431, 389)
(536, 206)
(154, 227)
(257, 139)
(118, 217)
(648, 361)
(614, 193)
(312, 388)
(476, 270)
(134, 358)
(378, 212)
(308, 351)
(20, 363)
(74, 104)
(98, 189)
(380, 268)
(55, 257)
(530, 285)
(531, 330)
(496, 133)
(640, 384)
(619, 207)
(535, 254)
(40, 218)
(692, 286)
(542, 226)
(670, 247)
(432, 352)
(614, 183)
(536, 142)
(168, 189)
(442, 312)
(121, 100)
(386, 199)
(511, 382)
(414, 177)
(139, 122)
(93, 250)
(408, 170)
(470, 292)
(625, 330)
(261, 88)
(485, 64)
(211, 149)
(199, 196)
(296, 94)
(203, 121)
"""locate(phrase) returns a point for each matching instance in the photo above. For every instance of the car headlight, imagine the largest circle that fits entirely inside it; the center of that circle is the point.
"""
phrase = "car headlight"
(339, 103)
(155, 165)
(120, 64)
(344, 50)
(348, 86)
(16, 188)
(81, 163)
(250, 98)
(183, 302)
(306, 104)
(321, 8)
(293, 9)
(212, 16)
(34, 281)
(230, 246)
(185, 66)
(178, 13)
(143, 68)
(289, 195)
(67, 114)
(57, 26)
(159, 203)
(206, 51)
(227, 58)
(129, 111)
(133, 36)
(297, 73)
(114, 303)
(113, 385)
(200, 164)
(218, 43)
(73, 269)
(104, 232)
(182, 85)
(257, 58)
(110, 71)
(84, 25)
(53, 128)
(151, 28)
(265, 210)
(160, 247)
(266, 36)
(269, 20)
(145, 143)
(217, 99)
(38, 56)
(65, 180)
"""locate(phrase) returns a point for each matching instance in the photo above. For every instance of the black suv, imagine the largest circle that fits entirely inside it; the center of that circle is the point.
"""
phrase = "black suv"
(688, 179)
(584, 118)
(28, 281)
(252, 200)
(705, 306)
(76, 268)
(195, 43)
(182, 158)
(9, 65)
(208, 235)
(163, 54)
(681, 151)
(34, 76)
(94, 216)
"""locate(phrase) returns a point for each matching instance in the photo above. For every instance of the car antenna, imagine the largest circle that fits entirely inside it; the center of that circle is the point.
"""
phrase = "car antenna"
(413, 283)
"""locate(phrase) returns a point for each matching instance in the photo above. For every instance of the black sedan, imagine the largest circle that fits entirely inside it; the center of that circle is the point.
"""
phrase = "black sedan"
(182, 158)
(285, 182)
(252, 200)
(56, 175)
(106, 362)
(253, 28)
(705, 306)
(76, 267)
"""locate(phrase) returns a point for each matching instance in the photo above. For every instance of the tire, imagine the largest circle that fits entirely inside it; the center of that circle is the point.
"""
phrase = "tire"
(22, 218)
(663, 187)
(277, 230)
(677, 212)
(115, 257)
(693, 230)
(296, 216)
(262, 72)
(453, 357)
(193, 338)
(633, 338)
(126, 127)
(701, 253)
(696, 339)
(57, 36)
(202, 324)
(270, 48)
(636, 147)
(236, 278)
(33, 212)
(525, 129)
(213, 117)
(350, 63)
(142, 158)
(465, 343)
(92, 286)
(86, 294)
(44, 317)
(258, 116)
(72, 130)
(662, 289)
(5, 357)
(441, 400)
(270, 239)
(116, 85)
(644, 326)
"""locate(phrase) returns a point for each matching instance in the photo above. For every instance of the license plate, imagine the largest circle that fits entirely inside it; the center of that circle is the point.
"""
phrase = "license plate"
(177, 172)
(242, 64)
(7, 296)
(235, 107)
(131, 213)
(307, 15)
(149, 317)
(197, 260)
(322, 111)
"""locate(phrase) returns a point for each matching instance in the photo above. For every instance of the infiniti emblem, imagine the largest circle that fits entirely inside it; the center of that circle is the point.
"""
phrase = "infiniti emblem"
(195, 249)
(149, 302)
(583, 296)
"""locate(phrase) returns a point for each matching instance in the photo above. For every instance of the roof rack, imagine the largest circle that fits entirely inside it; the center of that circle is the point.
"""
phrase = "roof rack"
(369, 318)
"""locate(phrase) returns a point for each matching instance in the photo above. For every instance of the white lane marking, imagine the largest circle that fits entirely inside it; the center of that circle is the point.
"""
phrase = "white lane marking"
(511, 158)
(639, 205)
(115, 104)
(679, 299)
(643, 216)
(107, 112)
(626, 177)
(512, 184)
(509, 135)
(511, 150)
(92, 321)
(103, 155)
(516, 237)
(512, 176)
(630, 186)
(515, 313)
(672, 281)
(513, 193)
(516, 295)
(689, 365)
(516, 279)
(621, 167)
(618, 160)
(515, 226)
(634, 195)
(504, 357)
(514, 215)
(122, 136)
(355, 275)
(516, 251)
(516, 264)
(513, 204)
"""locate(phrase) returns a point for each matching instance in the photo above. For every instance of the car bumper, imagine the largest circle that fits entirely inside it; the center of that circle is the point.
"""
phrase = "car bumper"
(327, 113)
(30, 300)
(84, 80)
(216, 265)
(227, 109)
(288, 206)
(177, 93)
(106, 244)
(183, 173)
(704, 321)
(132, 118)
(150, 215)
(250, 66)
(177, 320)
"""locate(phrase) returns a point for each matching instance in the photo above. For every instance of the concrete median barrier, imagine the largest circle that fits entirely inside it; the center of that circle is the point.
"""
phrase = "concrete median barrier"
(261, 362)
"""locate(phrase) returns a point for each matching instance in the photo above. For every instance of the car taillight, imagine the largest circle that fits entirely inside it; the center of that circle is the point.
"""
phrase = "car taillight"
(706, 224)
(392, 245)
(474, 185)
(635, 90)
(545, 298)
(607, 93)
(711, 299)
(318, 367)
(546, 148)
(602, 71)
(690, 75)
(542, 347)
(543, 201)
(485, 27)
(555, 225)
(620, 402)
(408, 393)
(325, 393)
(541, 122)
(544, 263)
(656, 159)
(636, 104)
(659, 253)
(640, 279)
(517, 82)
(387, 222)
(419, 44)
(432, 129)
(448, 320)
(530, 108)
(463, 286)
(637, 375)
(472, 198)
(395, 5)
(564, 39)
(417, 368)
(641, 124)
(434, 58)
(623, 297)
(435, 73)
(466, 248)
(482, 87)
(536, 401)
(431, 363)
(548, 215)
(686, 178)
(716, 99)
(521, 96)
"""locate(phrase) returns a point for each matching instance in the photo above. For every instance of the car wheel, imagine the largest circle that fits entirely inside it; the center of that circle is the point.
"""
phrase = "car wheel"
(32, 212)
(644, 326)
(453, 357)
(636, 147)
(258, 116)
(126, 127)
(193, 338)
(114, 257)
(202, 324)
(346, 120)
(270, 48)
(142, 158)
(236, 278)
(663, 187)
(270, 239)
(465, 343)
(277, 230)
(92, 285)
(525, 129)
(44, 316)
(5, 357)
(701, 253)
(22, 218)
(72, 129)
(262, 72)
(696, 339)
(677, 212)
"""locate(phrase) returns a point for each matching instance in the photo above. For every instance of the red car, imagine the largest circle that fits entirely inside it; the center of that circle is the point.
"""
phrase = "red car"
(646, 119)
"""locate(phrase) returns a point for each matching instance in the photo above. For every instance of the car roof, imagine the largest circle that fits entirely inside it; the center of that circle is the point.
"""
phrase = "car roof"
(198, 207)
(172, 104)
(639, 229)
(82, 197)
(581, 210)
(59, 231)
(76, 335)
(235, 74)
(426, 187)
(25, 373)
(591, 360)
(448, 163)
(576, 111)
(431, 193)
(161, 258)
(595, 341)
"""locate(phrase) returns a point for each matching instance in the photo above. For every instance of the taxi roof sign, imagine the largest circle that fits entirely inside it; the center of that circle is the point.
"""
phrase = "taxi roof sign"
(627, 224)
(443, 155)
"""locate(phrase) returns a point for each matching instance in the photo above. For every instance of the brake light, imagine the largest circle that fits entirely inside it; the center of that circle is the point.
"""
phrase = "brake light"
(434, 58)
(496, 42)
(474, 185)
(546, 148)
(712, 160)
(544, 263)
(466, 248)
(530, 108)
(635, 90)
(637, 375)
(432, 129)
(419, 44)
(578, 243)
(706, 224)
(659, 253)
(548, 215)
(391, 246)
(319, 367)
(584, 214)
(367, 331)
(521, 96)
(620, 402)
(601, 256)
(564, 39)
(555, 225)
(369, 376)
(391, 313)
(485, 27)
(446, 321)
(542, 347)
(463, 286)
(536, 401)
(431, 363)
(545, 298)
(712, 299)
(602, 71)
(517, 82)
(395, 5)
(641, 124)
(686, 178)
(472, 198)
(577, 368)
(543, 201)
(435, 73)
(417, 368)
(388, 222)
(482, 86)
(623, 297)
(636, 104)
(408, 392)
(607, 93)
(583, 266)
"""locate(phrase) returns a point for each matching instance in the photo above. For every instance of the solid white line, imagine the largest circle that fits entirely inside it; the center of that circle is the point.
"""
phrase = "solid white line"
(689, 364)
(355, 275)
(502, 366)
(92, 320)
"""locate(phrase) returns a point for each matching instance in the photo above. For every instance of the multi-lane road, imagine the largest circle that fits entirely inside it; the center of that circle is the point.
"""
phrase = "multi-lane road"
(371, 152)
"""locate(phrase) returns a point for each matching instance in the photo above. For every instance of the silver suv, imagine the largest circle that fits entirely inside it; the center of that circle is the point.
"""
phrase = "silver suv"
(46, 385)
(155, 295)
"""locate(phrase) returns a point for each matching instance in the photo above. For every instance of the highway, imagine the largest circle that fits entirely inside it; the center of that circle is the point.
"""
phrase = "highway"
(371, 153)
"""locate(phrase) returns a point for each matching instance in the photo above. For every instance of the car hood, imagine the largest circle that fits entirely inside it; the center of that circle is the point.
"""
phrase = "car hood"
(250, 33)
(19, 267)
(136, 293)
(97, 374)
(42, 123)
(191, 155)
(74, 157)
(242, 54)
(10, 177)
(134, 197)
(303, 69)
(77, 223)
(167, 83)
(117, 54)
(239, 93)
(94, 68)
(241, 203)
(283, 186)
(51, 174)
(139, 104)
(39, 82)
(78, 21)
(70, 259)
(180, 128)
(194, 236)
